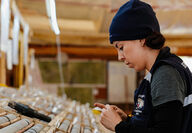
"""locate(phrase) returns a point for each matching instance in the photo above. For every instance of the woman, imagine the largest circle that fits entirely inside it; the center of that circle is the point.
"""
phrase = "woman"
(159, 100)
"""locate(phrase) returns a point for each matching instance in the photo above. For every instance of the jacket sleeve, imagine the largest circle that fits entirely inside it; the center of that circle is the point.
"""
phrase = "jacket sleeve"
(167, 118)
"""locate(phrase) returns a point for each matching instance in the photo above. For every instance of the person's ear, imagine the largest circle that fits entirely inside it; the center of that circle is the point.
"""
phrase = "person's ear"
(142, 42)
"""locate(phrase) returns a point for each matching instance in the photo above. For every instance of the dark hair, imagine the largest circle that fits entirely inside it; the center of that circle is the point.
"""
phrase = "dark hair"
(155, 40)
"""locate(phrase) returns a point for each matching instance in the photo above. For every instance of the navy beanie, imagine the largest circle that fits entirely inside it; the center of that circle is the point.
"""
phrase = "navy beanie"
(134, 20)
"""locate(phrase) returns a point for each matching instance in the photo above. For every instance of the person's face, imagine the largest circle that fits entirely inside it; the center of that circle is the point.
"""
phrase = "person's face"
(131, 53)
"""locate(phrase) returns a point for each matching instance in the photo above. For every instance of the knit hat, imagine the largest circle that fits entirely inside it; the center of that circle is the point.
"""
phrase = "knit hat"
(134, 20)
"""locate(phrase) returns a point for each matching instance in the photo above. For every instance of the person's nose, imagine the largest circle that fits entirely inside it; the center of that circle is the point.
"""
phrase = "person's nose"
(121, 56)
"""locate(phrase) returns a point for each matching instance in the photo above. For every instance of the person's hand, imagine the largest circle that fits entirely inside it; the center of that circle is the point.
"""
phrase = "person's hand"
(121, 113)
(110, 118)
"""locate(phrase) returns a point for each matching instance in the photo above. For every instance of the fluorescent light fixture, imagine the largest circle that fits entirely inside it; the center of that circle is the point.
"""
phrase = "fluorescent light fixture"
(51, 13)
(16, 28)
(5, 18)
(17, 13)
(48, 8)
(9, 55)
(25, 42)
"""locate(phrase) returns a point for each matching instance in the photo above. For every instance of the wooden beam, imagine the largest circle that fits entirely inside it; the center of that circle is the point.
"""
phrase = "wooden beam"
(89, 52)
(43, 23)
(182, 51)
(45, 37)
(179, 40)
(21, 61)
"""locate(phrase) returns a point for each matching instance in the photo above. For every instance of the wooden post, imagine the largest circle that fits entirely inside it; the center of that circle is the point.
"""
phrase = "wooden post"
(21, 61)
(2, 68)
(18, 69)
